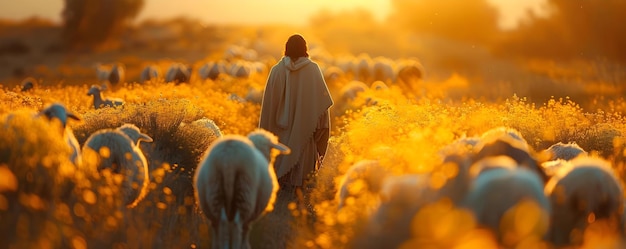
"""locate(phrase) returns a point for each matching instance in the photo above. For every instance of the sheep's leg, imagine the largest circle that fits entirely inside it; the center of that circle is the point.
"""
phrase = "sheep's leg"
(245, 244)
(237, 236)
(223, 238)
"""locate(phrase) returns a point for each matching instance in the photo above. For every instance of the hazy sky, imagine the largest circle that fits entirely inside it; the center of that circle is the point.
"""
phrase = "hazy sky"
(245, 11)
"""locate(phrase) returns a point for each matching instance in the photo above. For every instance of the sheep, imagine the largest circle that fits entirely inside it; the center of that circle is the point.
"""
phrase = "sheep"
(582, 192)
(58, 112)
(235, 184)
(400, 199)
(28, 84)
(509, 142)
(500, 192)
(178, 73)
(150, 72)
(210, 70)
(362, 68)
(410, 70)
(100, 101)
(254, 95)
(383, 69)
(363, 178)
(462, 145)
(118, 150)
(565, 151)
(117, 74)
(349, 92)
(409, 73)
(102, 72)
(379, 86)
(209, 124)
(241, 70)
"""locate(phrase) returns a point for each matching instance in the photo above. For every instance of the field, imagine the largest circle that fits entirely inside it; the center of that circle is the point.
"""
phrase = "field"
(46, 202)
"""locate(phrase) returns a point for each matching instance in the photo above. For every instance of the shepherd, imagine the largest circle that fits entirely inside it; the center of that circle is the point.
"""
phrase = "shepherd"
(295, 107)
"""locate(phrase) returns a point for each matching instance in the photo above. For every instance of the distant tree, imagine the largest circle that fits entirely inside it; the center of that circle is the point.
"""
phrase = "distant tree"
(574, 29)
(466, 20)
(95, 22)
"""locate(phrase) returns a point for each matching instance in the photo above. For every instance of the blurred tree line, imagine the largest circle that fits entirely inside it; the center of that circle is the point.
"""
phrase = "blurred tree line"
(571, 29)
(574, 29)
(93, 23)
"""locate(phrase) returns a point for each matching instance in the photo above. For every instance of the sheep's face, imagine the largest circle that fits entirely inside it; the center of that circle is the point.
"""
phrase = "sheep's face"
(57, 111)
(265, 141)
(94, 90)
(134, 134)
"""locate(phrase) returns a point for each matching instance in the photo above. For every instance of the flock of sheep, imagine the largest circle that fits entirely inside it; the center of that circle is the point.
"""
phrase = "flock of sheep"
(490, 175)
(562, 189)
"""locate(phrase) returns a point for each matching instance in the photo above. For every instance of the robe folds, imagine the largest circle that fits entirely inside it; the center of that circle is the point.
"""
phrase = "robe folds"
(295, 108)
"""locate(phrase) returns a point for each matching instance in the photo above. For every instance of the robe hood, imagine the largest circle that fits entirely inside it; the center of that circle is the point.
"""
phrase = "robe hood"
(296, 65)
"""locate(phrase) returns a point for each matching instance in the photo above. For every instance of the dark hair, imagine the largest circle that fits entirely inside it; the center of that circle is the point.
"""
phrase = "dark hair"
(296, 47)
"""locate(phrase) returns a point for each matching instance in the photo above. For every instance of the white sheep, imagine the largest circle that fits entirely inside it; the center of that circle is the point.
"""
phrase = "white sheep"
(150, 72)
(410, 70)
(235, 184)
(241, 69)
(565, 151)
(379, 86)
(254, 95)
(509, 142)
(210, 70)
(100, 101)
(363, 68)
(208, 124)
(117, 74)
(118, 150)
(401, 197)
(178, 73)
(58, 112)
(364, 178)
(102, 72)
(584, 191)
(383, 69)
(501, 192)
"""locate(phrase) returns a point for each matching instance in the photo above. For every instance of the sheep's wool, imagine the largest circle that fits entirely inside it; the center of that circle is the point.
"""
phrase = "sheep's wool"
(295, 107)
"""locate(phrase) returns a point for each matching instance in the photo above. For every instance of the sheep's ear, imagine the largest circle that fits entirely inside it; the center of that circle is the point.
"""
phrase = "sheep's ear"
(73, 116)
(282, 148)
(145, 138)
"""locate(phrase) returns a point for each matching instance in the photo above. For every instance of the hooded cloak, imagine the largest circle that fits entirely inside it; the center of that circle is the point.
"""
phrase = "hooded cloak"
(295, 108)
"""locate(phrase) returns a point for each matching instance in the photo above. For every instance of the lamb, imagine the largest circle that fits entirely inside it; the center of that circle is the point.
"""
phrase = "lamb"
(150, 72)
(118, 150)
(100, 101)
(235, 184)
(565, 151)
(584, 191)
(58, 112)
(178, 73)
(500, 188)
(363, 178)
